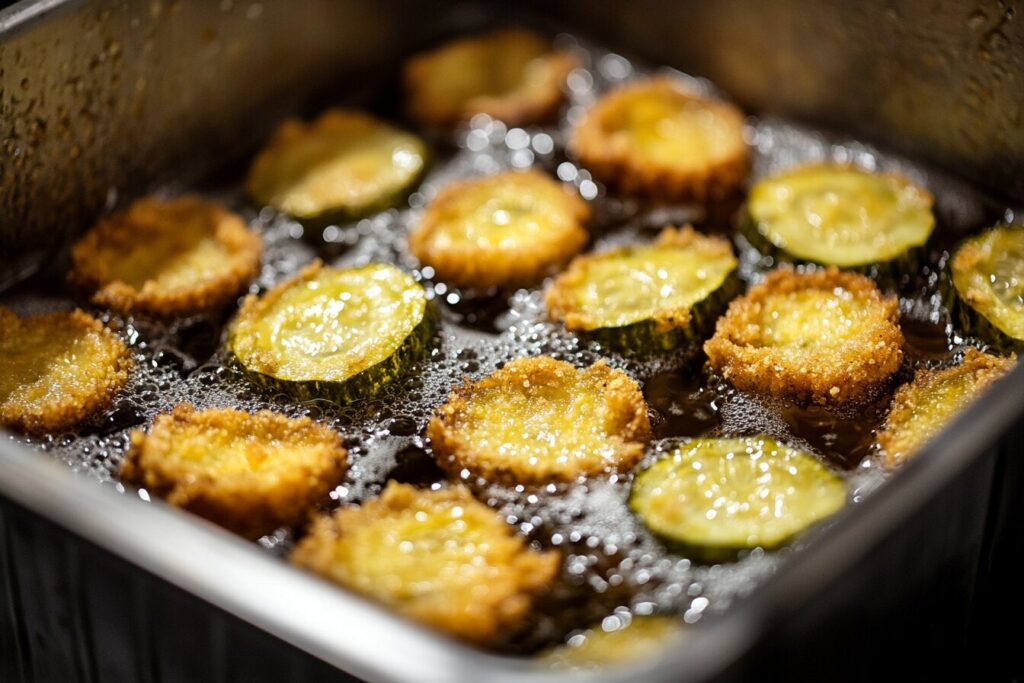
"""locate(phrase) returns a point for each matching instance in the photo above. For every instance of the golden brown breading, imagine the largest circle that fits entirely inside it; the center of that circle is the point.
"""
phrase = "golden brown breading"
(659, 283)
(166, 258)
(251, 473)
(921, 408)
(343, 165)
(505, 230)
(439, 557)
(57, 369)
(657, 138)
(827, 336)
(512, 75)
(540, 420)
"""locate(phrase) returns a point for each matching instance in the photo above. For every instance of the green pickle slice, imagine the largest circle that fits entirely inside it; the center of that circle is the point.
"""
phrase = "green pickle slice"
(344, 165)
(841, 216)
(641, 637)
(648, 297)
(714, 497)
(988, 279)
(339, 334)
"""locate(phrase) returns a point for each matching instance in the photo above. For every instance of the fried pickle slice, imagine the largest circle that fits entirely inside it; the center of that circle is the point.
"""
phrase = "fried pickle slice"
(57, 369)
(987, 273)
(251, 473)
(541, 420)
(166, 258)
(512, 75)
(344, 165)
(647, 297)
(921, 408)
(335, 333)
(504, 230)
(825, 337)
(657, 138)
(641, 637)
(439, 557)
(714, 497)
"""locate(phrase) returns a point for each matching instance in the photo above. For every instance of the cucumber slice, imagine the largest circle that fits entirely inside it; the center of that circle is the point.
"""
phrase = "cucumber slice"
(988, 281)
(715, 497)
(344, 165)
(648, 298)
(922, 408)
(339, 334)
(640, 638)
(841, 216)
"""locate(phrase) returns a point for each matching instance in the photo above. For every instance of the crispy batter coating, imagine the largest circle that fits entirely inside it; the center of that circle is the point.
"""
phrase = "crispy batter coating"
(659, 283)
(540, 420)
(166, 258)
(504, 230)
(921, 408)
(512, 75)
(57, 369)
(251, 473)
(439, 557)
(827, 337)
(345, 164)
(988, 276)
(656, 138)
(640, 638)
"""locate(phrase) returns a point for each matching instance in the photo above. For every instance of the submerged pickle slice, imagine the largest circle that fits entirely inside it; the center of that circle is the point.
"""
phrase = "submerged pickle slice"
(167, 258)
(641, 638)
(921, 408)
(655, 137)
(715, 497)
(841, 215)
(250, 473)
(344, 165)
(340, 334)
(647, 297)
(57, 369)
(988, 276)
(826, 337)
(439, 557)
(513, 75)
(503, 230)
(540, 420)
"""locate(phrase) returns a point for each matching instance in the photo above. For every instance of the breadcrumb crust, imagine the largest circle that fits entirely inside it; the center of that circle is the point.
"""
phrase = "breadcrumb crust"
(560, 297)
(251, 473)
(527, 72)
(439, 557)
(604, 143)
(923, 399)
(166, 258)
(57, 369)
(438, 239)
(814, 369)
(597, 423)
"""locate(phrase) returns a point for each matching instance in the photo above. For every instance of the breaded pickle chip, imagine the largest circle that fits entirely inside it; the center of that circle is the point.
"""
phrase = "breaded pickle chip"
(656, 138)
(647, 297)
(838, 215)
(824, 337)
(988, 279)
(439, 557)
(513, 75)
(923, 407)
(338, 334)
(642, 637)
(505, 230)
(540, 420)
(57, 369)
(344, 165)
(251, 473)
(167, 258)
(715, 497)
